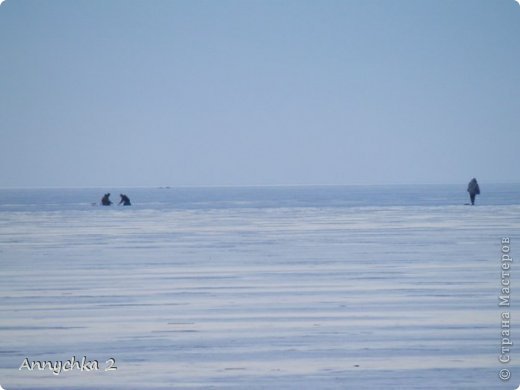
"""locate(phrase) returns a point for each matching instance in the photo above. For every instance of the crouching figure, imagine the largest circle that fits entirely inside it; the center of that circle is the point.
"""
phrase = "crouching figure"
(105, 200)
(125, 200)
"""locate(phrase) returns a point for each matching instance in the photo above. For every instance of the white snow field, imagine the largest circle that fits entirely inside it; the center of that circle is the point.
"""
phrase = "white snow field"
(371, 297)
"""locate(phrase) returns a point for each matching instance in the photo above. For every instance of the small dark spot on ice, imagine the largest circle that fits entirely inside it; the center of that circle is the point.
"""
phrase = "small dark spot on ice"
(234, 368)
(356, 365)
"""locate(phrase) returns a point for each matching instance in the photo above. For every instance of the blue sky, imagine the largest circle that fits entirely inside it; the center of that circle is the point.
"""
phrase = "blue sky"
(136, 93)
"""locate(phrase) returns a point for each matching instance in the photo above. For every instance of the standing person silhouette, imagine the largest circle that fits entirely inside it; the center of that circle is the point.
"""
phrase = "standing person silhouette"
(473, 190)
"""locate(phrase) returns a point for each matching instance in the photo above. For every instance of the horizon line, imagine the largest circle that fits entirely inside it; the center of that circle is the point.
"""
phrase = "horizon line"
(169, 186)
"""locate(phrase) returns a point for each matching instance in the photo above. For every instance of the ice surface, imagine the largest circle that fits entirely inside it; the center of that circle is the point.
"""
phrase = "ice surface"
(304, 297)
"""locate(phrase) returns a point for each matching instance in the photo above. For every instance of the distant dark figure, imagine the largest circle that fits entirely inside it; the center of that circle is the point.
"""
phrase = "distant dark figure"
(125, 200)
(473, 190)
(105, 200)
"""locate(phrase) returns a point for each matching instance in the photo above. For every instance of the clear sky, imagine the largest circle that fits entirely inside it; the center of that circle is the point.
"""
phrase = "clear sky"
(156, 93)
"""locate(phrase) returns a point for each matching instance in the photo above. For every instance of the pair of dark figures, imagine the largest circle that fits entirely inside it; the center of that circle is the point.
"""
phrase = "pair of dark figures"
(105, 200)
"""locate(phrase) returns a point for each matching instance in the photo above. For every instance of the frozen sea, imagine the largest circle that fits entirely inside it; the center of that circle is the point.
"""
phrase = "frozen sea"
(380, 287)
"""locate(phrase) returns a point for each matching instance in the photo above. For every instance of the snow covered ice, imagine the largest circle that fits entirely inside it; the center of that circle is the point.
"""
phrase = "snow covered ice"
(297, 288)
